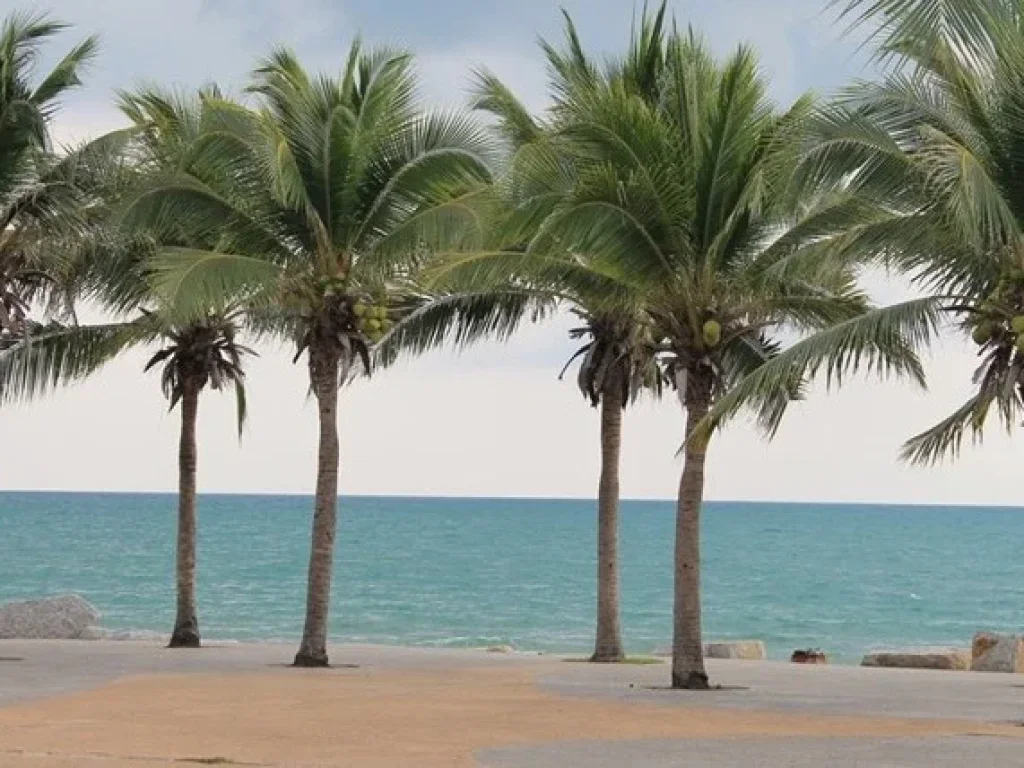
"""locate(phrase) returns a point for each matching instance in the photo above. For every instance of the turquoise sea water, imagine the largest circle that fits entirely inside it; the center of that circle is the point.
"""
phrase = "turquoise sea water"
(471, 572)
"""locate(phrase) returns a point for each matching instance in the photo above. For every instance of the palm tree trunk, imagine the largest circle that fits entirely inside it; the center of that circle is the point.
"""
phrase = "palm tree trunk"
(608, 646)
(687, 640)
(324, 364)
(186, 623)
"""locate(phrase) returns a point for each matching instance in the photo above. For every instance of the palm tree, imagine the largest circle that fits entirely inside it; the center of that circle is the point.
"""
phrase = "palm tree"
(680, 209)
(324, 205)
(932, 151)
(198, 355)
(202, 352)
(193, 357)
(38, 201)
(617, 360)
(110, 268)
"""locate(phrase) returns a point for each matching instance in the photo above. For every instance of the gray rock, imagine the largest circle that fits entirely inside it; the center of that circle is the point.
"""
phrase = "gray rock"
(748, 650)
(992, 652)
(67, 617)
(955, 659)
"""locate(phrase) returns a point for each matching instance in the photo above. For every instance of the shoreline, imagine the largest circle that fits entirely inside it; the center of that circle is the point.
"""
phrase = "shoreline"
(660, 651)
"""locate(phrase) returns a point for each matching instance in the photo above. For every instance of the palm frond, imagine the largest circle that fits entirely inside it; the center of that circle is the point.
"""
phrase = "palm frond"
(880, 342)
(461, 319)
(192, 282)
(966, 25)
(516, 125)
(946, 437)
(56, 356)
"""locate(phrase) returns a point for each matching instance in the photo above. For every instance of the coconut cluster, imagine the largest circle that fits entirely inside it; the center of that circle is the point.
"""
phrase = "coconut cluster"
(372, 320)
(1000, 318)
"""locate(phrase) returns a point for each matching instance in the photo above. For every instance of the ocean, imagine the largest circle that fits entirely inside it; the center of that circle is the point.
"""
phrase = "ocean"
(477, 572)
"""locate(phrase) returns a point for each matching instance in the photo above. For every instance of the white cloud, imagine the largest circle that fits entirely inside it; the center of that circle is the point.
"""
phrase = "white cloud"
(447, 75)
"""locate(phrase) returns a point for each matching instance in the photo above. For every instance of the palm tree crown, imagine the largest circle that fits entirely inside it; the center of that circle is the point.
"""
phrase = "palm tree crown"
(201, 354)
(931, 155)
(330, 199)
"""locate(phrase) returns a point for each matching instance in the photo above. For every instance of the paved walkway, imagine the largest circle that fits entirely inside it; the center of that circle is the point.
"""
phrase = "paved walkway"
(114, 705)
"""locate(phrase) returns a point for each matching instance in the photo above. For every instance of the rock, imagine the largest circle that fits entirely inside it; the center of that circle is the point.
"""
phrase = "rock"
(501, 649)
(68, 617)
(808, 656)
(939, 658)
(992, 652)
(748, 650)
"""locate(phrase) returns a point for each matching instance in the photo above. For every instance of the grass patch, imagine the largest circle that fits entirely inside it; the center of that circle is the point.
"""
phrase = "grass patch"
(636, 660)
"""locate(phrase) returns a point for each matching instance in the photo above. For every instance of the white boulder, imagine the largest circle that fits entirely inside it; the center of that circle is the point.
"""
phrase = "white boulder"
(748, 650)
(67, 617)
(992, 652)
(953, 659)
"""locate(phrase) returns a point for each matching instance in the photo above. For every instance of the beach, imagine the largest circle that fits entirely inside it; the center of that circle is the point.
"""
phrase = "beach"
(104, 704)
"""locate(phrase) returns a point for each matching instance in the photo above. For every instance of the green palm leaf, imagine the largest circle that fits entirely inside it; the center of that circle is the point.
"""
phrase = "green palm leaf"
(41, 362)
(880, 342)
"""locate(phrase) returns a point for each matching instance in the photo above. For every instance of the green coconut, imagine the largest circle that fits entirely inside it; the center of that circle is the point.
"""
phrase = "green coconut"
(373, 325)
(1020, 344)
(712, 333)
(1017, 324)
(386, 325)
(982, 333)
(382, 313)
(359, 309)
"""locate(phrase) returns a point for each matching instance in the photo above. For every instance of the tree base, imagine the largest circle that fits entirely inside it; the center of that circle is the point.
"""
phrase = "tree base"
(310, 660)
(691, 681)
(604, 657)
(185, 637)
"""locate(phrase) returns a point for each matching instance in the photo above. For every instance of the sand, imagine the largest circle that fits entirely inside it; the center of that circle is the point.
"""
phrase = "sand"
(413, 708)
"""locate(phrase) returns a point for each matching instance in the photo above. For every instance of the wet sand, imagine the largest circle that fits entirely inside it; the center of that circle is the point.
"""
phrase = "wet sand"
(127, 704)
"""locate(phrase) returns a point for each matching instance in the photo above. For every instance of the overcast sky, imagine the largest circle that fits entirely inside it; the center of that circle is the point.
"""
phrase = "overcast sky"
(494, 420)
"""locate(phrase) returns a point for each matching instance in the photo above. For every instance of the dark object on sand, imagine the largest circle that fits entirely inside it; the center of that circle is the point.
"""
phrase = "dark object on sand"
(809, 656)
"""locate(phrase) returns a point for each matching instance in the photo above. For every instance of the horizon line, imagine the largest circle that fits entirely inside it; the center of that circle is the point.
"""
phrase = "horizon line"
(420, 496)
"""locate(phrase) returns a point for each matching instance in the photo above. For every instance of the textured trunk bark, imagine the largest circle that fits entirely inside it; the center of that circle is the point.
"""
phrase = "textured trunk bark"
(312, 652)
(608, 646)
(186, 623)
(687, 641)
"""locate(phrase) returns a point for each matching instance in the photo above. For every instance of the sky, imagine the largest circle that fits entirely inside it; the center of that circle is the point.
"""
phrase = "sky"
(494, 420)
